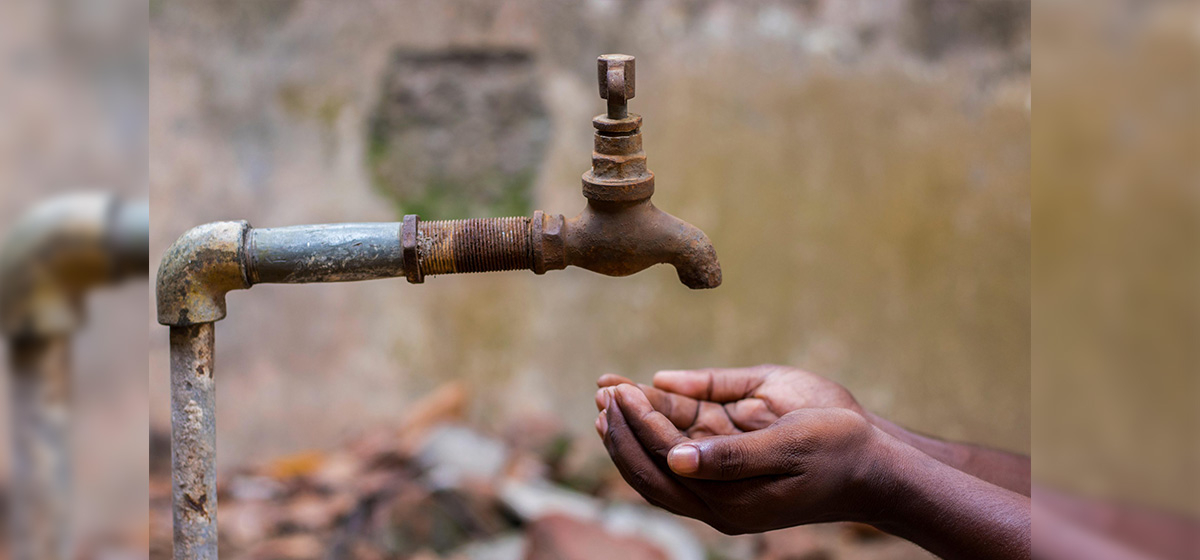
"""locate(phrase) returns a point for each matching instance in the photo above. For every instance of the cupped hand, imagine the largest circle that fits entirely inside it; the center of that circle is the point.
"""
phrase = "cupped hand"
(707, 402)
(809, 465)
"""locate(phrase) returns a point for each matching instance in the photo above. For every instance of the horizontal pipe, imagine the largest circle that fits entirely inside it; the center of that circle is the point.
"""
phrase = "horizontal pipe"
(325, 253)
(476, 245)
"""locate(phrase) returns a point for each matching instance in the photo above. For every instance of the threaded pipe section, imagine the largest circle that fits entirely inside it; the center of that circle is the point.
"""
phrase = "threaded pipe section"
(476, 245)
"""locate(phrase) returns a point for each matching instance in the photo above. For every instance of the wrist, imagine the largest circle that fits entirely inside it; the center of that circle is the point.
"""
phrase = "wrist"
(944, 510)
(882, 479)
(937, 449)
(897, 483)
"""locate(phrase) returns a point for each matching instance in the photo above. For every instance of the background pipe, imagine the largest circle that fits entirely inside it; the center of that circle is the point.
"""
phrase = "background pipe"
(619, 232)
(51, 258)
(41, 469)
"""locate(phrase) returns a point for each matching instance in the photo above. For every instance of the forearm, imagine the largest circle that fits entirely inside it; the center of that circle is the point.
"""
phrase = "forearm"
(947, 511)
(1007, 470)
(1060, 539)
(1159, 533)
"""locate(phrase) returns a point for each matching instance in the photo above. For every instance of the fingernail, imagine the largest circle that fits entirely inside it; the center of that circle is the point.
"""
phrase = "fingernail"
(608, 397)
(684, 459)
(602, 424)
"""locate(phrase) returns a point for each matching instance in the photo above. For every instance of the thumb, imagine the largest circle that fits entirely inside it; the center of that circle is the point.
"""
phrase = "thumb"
(769, 451)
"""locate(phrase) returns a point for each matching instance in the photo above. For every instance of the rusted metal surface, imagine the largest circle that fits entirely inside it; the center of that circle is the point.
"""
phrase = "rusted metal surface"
(615, 73)
(479, 245)
(41, 475)
(618, 233)
(193, 442)
(621, 232)
(198, 270)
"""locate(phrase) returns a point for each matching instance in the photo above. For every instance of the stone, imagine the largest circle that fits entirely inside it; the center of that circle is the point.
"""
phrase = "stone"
(532, 500)
(452, 453)
(655, 526)
(561, 537)
(504, 547)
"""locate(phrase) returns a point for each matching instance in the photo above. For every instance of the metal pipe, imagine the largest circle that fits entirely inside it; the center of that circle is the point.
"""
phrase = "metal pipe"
(41, 475)
(50, 259)
(193, 442)
(324, 253)
(619, 232)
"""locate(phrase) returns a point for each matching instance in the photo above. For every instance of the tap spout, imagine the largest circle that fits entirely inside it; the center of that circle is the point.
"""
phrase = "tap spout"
(619, 239)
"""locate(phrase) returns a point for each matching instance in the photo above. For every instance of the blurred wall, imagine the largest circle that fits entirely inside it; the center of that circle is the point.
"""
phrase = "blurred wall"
(1114, 278)
(862, 167)
(73, 110)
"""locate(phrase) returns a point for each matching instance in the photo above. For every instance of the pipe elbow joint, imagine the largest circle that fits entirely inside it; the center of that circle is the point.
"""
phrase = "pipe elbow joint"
(62, 249)
(197, 271)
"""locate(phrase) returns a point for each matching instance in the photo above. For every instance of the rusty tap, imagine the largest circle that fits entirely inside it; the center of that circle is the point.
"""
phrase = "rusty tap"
(619, 232)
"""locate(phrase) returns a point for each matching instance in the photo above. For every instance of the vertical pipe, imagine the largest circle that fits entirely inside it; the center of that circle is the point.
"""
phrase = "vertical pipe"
(40, 496)
(193, 442)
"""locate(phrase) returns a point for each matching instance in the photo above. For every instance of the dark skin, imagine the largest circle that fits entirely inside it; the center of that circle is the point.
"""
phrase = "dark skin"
(756, 449)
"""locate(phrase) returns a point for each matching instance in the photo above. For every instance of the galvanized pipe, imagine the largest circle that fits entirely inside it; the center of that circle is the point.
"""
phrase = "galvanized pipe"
(324, 253)
(41, 475)
(619, 232)
(193, 442)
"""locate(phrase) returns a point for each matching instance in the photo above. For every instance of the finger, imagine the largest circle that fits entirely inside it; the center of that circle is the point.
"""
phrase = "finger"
(636, 466)
(717, 385)
(680, 410)
(655, 432)
(771, 451)
(610, 379)
(750, 414)
(602, 424)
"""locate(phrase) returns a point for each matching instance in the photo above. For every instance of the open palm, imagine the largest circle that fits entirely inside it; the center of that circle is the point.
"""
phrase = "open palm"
(707, 402)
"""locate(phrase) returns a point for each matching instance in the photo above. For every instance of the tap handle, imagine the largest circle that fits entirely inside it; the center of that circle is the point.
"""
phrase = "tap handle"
(616, 76)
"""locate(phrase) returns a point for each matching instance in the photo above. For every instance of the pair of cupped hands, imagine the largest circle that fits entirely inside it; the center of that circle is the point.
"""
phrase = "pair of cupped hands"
(745, 450)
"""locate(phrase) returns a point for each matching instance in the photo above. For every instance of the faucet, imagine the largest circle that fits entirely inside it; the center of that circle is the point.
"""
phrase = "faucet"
(50, 259)
(618, 233)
